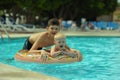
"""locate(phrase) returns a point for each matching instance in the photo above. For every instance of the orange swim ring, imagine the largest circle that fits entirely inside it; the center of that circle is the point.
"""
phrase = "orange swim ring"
(24, 56)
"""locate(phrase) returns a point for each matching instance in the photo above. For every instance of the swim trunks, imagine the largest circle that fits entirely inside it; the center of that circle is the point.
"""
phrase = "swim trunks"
(47, 47)
(28, 45)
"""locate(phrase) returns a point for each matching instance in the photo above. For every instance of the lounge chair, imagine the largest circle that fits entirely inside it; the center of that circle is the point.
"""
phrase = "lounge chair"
(74, 27)
(66, 24)
(102, 25)
(12, 27)
(17, 27)
(113, 25)
(3, 23)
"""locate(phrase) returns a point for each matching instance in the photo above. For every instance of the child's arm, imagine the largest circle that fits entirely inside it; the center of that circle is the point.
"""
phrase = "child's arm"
(54, 53)
(70, 52)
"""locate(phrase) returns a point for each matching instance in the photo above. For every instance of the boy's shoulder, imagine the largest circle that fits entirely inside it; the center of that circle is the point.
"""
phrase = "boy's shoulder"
(42, 33)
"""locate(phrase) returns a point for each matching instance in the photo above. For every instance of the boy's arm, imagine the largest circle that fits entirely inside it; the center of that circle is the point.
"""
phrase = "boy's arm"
(35, 51)
(36, 43)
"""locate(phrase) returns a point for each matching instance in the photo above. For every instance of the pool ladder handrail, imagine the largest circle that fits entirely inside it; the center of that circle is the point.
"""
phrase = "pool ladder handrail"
(1, 36)
(5, 30)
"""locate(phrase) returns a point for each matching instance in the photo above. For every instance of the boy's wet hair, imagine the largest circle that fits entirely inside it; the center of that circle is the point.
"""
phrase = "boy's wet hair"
(53, 21)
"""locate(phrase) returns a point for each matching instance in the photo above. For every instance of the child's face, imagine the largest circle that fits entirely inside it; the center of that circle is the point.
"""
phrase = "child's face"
(60, 43)
(53, 29)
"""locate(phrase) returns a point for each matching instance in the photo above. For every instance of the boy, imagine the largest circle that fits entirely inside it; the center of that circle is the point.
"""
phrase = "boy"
(39, 40)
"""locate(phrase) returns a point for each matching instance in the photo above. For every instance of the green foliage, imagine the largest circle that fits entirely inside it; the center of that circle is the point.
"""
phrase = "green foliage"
(118, 4)
(7, 4)
(68, 9)
(52, 4)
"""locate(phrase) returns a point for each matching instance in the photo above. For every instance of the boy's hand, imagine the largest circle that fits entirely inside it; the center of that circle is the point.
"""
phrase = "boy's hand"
(44, 56)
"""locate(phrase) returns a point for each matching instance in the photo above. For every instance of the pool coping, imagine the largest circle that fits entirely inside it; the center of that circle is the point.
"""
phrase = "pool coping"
(94, 33)
(9, 72)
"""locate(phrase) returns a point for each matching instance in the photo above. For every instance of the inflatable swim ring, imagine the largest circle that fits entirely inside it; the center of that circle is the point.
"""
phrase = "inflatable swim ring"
(24, 56)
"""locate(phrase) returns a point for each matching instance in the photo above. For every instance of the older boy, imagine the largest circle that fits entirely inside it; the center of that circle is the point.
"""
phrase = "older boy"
(37, 41)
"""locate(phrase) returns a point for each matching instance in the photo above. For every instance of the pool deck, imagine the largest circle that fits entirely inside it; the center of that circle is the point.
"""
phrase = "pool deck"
(8, 72)
(72, 33)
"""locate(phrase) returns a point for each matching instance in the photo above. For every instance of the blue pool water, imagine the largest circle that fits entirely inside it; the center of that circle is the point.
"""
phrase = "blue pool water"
(101, 59)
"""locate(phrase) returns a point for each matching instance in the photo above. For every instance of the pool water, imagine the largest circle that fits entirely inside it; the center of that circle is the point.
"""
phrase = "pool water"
(101, 59)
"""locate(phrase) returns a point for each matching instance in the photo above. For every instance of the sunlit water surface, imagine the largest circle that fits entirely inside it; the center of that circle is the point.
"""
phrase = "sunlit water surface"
(101, 59)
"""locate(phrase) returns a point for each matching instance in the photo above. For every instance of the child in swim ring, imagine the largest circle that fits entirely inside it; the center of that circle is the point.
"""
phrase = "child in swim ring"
(61, 48)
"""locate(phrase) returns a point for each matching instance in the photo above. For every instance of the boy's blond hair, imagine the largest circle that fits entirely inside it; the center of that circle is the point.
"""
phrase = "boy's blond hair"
(59, 36)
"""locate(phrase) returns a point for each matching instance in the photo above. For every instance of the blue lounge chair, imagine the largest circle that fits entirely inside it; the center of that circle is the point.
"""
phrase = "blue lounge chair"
(113, 25)
(102, 25)
(66, 24)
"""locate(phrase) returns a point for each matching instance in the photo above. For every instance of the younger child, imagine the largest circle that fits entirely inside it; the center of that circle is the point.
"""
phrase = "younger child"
(61, 48)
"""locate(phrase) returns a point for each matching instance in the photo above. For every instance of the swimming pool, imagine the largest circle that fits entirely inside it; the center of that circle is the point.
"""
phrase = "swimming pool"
(101, 59)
